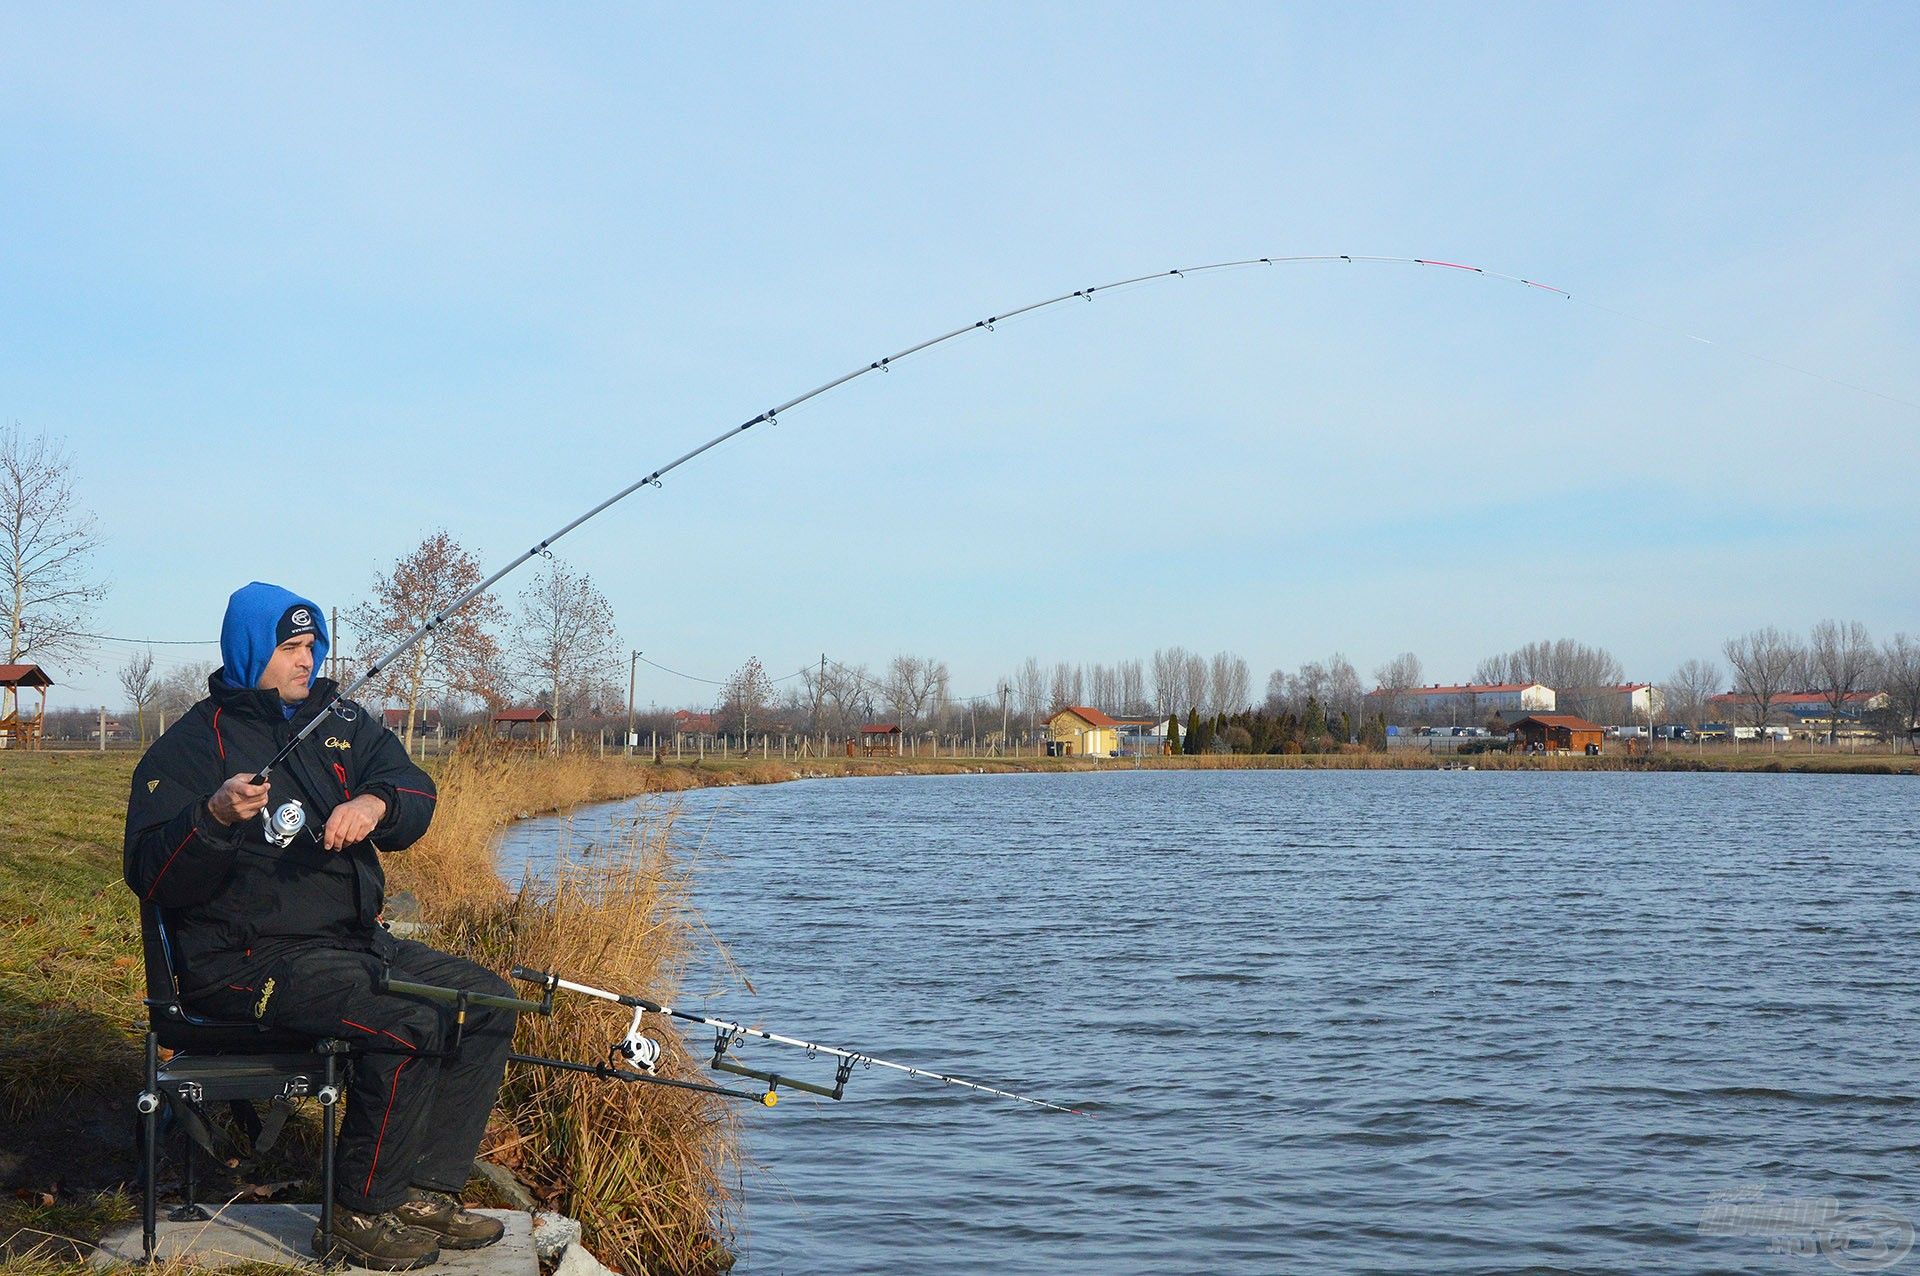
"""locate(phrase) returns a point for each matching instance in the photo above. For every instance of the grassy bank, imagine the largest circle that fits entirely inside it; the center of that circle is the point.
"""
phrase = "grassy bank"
(646, 1168)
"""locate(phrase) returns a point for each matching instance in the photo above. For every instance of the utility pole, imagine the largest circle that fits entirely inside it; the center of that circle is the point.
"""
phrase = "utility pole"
(633, 667)
(333, 631)
(819, 697)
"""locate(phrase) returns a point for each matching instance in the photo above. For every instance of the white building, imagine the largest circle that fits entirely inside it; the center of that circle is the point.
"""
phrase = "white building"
(1468, 702)
(1625, 704)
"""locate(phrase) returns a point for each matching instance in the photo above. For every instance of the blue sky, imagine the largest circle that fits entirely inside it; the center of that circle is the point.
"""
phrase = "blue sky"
(300, 285)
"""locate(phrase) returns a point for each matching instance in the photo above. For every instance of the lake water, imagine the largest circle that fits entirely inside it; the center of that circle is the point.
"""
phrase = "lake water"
(1406, 1022)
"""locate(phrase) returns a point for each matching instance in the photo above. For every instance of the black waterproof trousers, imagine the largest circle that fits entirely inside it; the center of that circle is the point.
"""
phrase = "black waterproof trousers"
(412, 1117)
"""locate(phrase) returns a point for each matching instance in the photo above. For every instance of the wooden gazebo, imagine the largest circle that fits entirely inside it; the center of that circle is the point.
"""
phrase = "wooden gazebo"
(17, 732)
(508, 721)
(880, 739)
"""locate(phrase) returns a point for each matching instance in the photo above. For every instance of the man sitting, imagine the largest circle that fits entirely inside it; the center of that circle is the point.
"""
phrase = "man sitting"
(289, 934)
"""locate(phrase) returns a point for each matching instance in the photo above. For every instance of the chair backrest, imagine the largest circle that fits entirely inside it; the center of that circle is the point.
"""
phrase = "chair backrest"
(177, 1026)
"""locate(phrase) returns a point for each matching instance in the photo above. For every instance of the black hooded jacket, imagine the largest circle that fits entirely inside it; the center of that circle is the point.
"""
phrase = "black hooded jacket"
(232, 900)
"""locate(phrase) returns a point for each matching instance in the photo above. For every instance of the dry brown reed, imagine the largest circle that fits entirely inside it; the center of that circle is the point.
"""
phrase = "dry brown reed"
(647, 1169)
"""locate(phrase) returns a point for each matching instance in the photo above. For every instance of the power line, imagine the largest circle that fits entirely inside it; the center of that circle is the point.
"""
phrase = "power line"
(153, 642)
(712, 682)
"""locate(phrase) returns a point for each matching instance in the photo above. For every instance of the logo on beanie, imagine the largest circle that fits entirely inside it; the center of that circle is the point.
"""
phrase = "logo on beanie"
(300, 618)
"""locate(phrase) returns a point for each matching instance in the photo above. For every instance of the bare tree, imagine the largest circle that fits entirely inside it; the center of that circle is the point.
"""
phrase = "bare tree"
(1310, 683)
(1343, 692)
(1103, 688)
(745, 695)
(136, 679)
(1688, 691)
(460, 656)
(1229, 682)
(181, 688)
(1133, 688)
(849, 698)
(1030, 684)
(1195, 683)
(1276, 701)
(1393, 680)
(913, 685)
(1496, 669)
(1900, 670)
(47, 543)
(1764, 663)
(566, 635)
(1840, 661)
(1584, 679)
(1060, 688)
(1169, 679)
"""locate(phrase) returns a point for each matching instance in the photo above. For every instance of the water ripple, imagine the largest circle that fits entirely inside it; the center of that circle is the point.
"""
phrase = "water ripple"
(1331, 1022)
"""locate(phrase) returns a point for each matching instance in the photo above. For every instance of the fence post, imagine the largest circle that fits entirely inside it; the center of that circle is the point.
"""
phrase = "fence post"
(103, 728)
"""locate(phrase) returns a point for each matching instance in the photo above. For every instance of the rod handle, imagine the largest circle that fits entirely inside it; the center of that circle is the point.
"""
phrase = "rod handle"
(460, 997)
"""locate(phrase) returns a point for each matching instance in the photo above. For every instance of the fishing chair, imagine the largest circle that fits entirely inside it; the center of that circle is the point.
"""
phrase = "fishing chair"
(239, 1062)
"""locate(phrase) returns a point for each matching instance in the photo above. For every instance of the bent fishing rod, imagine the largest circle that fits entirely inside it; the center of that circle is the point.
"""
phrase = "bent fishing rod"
(543, 548)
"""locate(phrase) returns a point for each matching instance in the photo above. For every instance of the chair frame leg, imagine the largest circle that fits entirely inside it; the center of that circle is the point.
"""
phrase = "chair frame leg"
(188, 1211)
(148, 1105)
(329, 1104)
(153, 1099)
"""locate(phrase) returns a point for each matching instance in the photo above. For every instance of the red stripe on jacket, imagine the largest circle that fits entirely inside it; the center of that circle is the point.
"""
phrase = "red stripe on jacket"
(155, 885)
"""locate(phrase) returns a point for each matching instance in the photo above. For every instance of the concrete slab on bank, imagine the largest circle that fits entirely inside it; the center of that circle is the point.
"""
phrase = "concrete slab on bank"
(284, 1234)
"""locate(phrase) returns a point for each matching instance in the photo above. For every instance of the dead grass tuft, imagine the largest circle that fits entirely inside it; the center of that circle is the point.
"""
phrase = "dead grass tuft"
(645, 1168)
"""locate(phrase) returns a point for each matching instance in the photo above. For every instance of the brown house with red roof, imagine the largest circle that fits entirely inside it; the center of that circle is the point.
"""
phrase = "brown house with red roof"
(1559, 733)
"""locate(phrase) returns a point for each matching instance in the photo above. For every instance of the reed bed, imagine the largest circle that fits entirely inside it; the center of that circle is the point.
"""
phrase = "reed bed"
(648, 1170)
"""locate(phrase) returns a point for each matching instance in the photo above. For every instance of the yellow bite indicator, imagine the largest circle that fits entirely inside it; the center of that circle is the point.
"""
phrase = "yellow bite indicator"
(769, 1098)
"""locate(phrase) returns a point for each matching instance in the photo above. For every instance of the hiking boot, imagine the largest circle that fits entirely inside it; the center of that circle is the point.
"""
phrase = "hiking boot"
(382, 1242)
(441, 1214)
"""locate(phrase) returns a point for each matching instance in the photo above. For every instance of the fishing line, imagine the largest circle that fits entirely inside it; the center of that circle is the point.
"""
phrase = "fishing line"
(771, 415)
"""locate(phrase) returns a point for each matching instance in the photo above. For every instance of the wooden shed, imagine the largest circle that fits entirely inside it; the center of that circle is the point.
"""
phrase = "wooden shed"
(426, 721)
(17, 732)
(1558, 733)
(506, 725)
(880, 739)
